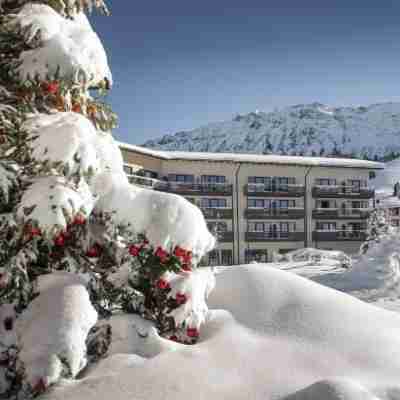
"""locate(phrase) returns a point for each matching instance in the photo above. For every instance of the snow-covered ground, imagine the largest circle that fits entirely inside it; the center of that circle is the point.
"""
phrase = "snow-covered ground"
(270, 335)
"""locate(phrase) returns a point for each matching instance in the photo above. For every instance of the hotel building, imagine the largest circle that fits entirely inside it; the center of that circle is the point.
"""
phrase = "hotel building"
(258, 205)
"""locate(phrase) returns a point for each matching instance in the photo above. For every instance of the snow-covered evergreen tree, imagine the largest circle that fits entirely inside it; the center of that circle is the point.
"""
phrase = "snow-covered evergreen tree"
(378, 226)
(65, 202)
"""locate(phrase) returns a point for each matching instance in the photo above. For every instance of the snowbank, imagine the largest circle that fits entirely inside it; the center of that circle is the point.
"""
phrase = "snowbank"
(280, 337)
(52, 331)
(69, 44)
(314, 256)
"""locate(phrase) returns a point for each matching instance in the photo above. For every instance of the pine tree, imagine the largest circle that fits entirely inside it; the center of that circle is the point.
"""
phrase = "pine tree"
(378, 227)
(56, 156)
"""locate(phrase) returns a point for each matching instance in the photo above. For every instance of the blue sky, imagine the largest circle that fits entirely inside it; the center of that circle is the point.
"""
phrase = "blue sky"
(181, 64)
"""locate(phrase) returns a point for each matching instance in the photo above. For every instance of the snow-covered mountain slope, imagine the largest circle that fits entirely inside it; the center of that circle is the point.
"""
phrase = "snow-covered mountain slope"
(311, 129)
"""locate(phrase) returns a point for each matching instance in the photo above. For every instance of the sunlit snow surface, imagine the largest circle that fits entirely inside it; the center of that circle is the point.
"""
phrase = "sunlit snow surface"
(270, 335)
(70, 44)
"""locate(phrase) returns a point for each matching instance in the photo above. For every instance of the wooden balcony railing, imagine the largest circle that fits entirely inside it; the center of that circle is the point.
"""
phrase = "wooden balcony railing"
(256, 189)
(333, 236)
(276, 236)
(217, 213)
(274, 213)
(337, 191)
(195, 189)
(340, 213)
(224, 236)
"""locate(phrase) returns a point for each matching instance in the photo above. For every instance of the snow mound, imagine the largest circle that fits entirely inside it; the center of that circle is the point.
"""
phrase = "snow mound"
(52, 331)
(296, 339)
(70, 44)
(375, 275)
(67, 138)
(315, 256)
(166, 219)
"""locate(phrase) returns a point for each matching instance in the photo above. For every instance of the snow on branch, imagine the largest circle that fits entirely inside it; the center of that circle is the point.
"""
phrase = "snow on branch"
(52, 202)
(67, 139)
(8, 179)
(68, 44)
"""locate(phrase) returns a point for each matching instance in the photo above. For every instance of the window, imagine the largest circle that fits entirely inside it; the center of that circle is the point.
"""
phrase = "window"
(256, 203)
(217, 226)
(213, 257)
(372, 174)
(213, 203)
(213, 179)
(181, 178)
(326, 226)
(325, 182)
(226, 257)
(128, 170)
(256, 255)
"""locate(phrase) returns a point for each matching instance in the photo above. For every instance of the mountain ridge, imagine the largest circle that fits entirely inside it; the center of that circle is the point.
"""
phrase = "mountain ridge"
(370, 132)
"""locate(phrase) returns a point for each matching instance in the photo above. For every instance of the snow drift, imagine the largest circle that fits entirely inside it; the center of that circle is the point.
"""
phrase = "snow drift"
(296, 339)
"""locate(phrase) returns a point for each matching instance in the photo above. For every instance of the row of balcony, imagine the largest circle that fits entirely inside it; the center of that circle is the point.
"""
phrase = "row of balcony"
(253, 189)
(284, 236)
(288, 213)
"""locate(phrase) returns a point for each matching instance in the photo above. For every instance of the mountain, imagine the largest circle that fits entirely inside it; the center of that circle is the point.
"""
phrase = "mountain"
(371, 132)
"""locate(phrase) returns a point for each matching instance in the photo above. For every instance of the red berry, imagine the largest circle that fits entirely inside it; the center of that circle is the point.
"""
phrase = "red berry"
(161, 254)
(59, 240)
(162, 284)
(174, 338)
(186, 268)
(181, 298)
(51, 87)
(77, 108)
(192, 332)
(79, 220)
(134, 250)
(93, 252)
(35, 232)
(187, 258)
(179, 252)
(40, 386)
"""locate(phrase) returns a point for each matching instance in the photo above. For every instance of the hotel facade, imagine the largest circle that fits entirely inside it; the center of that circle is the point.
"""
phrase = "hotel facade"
(258, 205)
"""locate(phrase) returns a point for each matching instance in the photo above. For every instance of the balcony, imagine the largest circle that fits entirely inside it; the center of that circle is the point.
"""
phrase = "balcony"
(224, 237)
(276, 236)
(143, 181)
(259, 189)
(195, 189)
(335, 213)
(345, 192)
(274, 213)
(333, 236)
(217, 213)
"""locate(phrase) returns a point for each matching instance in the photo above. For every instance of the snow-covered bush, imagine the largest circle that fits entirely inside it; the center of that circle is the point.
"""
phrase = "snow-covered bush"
(67, 206)
(378, 227)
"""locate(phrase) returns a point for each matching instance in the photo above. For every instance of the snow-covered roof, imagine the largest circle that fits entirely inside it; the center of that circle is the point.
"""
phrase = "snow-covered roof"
(254, 158)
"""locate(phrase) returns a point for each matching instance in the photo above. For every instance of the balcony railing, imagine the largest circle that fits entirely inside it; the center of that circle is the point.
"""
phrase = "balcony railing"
(277, 236)
(332, 236)
(224, 236)
(143, 181)
(260, 189)
(274, 213)
(338, 191)
(217, 213)
(340, 213)
(195, 189)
